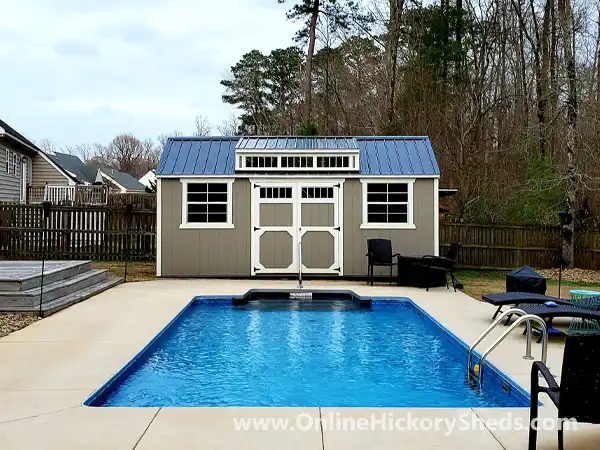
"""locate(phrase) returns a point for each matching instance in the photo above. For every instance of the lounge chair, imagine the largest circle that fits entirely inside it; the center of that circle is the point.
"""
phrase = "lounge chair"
(548, 313)
(519, 298)
(578, 395)
(379, 253)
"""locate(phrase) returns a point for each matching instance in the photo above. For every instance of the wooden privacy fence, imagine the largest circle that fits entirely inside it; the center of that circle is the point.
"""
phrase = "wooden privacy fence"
(512, 246)
(99, 233)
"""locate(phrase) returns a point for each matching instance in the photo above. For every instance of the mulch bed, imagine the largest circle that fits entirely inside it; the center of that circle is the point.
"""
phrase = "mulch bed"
(13, 322)
(575, 275)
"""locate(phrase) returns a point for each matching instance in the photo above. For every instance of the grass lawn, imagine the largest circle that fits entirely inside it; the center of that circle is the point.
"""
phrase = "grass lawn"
(136, 271)
(479, 282)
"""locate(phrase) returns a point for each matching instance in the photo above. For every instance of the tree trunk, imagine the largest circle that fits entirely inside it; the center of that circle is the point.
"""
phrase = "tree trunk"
(312, 37)
(536, 43)
(553, 108)
(544, 80)
(391, 56)
(598, 71)
(523, 76)
(566, 20)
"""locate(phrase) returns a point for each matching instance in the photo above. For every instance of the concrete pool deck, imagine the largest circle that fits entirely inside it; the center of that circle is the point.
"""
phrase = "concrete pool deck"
(50, 367)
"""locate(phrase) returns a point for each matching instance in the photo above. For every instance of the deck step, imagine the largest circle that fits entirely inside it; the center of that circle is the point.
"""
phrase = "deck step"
(54, 290)
(25, 275)
(57, 304)
(71, 299)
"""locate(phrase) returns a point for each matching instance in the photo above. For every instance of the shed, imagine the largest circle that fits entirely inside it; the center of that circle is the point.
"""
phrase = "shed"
(254, 206)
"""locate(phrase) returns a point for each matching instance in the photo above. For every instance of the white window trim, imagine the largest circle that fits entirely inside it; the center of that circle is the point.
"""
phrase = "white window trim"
(206, 226)
(410, 225)
(353, 155)
(159, 194)
(436, 217)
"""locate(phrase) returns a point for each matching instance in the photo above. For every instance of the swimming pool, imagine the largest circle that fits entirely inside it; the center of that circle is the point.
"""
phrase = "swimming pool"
(293, 353)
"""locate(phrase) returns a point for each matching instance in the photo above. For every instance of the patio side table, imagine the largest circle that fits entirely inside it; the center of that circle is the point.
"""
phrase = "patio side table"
(584, 299)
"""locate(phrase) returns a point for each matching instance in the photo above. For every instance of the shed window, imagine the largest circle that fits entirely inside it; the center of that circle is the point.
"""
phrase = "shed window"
(207, 204)
(297, 162)
(261, 162)
(333, 161)
(317, 192)
(387, 204)
(275, 192)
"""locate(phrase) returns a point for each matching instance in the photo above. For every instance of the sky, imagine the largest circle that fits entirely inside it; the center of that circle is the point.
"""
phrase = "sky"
(82, 71)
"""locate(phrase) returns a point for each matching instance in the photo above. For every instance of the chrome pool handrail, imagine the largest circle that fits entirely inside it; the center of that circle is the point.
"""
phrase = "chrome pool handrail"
(300, 286)
(528, 318)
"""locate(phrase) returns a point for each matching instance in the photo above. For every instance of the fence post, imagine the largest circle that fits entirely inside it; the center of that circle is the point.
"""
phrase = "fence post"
(128, 213)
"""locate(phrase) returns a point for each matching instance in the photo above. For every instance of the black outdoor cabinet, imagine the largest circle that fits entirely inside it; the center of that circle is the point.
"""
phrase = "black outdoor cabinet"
(525, 279)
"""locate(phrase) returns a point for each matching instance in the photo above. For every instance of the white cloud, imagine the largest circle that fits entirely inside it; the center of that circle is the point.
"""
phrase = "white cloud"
(81, 71)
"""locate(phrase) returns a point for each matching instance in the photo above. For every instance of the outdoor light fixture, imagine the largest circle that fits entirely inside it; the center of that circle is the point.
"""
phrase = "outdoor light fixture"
(128, 214)
(565, 219)
(46, 207)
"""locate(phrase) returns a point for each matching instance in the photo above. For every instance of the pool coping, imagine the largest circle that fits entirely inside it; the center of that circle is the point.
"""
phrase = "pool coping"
(516, 388)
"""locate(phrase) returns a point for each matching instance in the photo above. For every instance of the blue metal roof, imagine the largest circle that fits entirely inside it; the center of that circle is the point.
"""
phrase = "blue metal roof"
(379, 155)
(296, 143)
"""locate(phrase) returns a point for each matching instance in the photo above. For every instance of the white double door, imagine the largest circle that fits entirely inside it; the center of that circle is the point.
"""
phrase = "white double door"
(297, 224)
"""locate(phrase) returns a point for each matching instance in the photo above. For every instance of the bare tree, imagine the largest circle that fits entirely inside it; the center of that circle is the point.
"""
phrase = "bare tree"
(230, 126)
(47, 146)
(162, 138)
(125, 153)
(565, 12)
(151, 155)
(85, 151)
(203, 126)
(391, 55)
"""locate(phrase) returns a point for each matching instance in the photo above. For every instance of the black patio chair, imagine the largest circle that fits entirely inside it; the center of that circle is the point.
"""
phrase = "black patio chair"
(439, 263)
(578, 395)
(379, 253)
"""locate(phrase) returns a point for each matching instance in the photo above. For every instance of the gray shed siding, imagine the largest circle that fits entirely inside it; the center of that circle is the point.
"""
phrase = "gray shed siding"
(204, 253)
(415, 242)
(44, 172)
(226, 252)
(10, 185)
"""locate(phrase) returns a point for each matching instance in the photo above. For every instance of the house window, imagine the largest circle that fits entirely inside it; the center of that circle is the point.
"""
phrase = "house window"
(207, 204)
(388, 204)
(7, 161)
(14, 163)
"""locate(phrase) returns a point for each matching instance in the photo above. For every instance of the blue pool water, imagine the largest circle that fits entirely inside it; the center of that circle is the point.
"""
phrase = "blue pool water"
(215, 354)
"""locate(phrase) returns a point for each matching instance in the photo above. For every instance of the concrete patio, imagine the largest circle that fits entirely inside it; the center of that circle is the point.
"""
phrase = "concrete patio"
(50, 367)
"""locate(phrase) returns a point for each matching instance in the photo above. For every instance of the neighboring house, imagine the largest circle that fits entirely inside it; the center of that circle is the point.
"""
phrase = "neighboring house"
(28, 174)
(251, 206)
(118, 181)
(123, 181)
(22, 163)
(149, 179)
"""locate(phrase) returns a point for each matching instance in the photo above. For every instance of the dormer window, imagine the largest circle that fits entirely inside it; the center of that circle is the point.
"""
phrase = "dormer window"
(297, 155)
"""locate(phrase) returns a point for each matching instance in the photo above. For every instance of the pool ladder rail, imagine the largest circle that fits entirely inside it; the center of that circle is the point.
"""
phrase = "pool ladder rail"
(476, 376)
